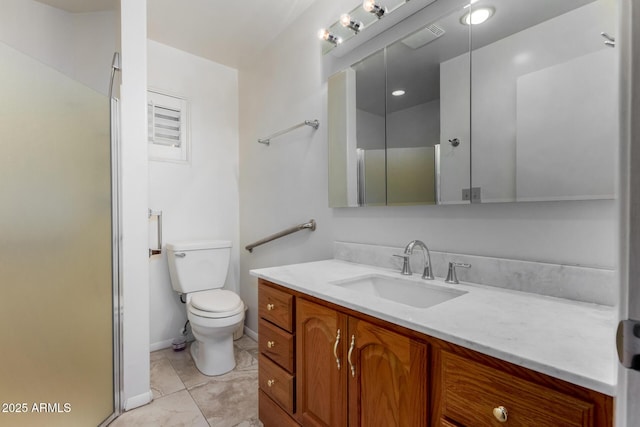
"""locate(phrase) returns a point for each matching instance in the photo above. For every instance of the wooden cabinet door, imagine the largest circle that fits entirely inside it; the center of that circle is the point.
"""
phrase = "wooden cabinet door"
(387, 378)
(322, 381)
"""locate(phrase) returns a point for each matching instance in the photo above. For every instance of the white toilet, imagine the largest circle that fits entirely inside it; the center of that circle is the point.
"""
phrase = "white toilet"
(198, 270)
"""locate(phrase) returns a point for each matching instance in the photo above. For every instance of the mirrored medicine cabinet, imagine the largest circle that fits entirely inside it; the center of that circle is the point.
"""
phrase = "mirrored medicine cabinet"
(520, 107)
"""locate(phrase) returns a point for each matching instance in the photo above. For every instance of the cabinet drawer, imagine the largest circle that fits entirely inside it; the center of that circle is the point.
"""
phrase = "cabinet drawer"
(276, 344)
(471, 391)
(275, 306)
(271, 414)
(276, 383)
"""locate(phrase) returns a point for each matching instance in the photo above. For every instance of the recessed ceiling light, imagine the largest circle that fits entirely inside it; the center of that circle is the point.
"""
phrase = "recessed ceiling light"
(477, 16)
(398, 92)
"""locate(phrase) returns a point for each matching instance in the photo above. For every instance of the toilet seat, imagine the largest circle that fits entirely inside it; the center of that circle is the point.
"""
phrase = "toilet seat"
(215, 304)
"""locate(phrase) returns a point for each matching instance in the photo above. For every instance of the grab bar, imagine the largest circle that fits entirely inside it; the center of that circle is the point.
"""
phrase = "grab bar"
(159, 250)
(311, 225)
(313, 123)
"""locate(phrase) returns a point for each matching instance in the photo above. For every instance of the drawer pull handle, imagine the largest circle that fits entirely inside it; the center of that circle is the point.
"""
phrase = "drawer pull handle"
(270, 307)
(335, 349)
(501, 414)
(353, 344)
(270, 383)
(271, 344)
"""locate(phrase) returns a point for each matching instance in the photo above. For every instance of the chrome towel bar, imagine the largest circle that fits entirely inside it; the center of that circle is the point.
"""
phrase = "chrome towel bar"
(311, 225)
(313, 123)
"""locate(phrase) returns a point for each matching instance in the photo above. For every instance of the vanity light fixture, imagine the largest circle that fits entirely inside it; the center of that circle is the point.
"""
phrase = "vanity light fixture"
(398, 92)
(372, 7)
(324, 34)
(477, 16)
(347, 22)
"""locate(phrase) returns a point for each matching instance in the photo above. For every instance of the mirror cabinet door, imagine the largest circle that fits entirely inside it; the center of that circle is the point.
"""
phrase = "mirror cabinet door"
(544, 100)
(404, 148)
(428, 123)
(370, 130)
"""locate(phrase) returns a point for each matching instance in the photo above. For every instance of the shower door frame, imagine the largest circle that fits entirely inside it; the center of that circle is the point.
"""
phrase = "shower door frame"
(116, 239)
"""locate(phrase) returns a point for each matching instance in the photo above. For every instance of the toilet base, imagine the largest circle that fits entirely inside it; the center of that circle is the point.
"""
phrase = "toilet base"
(215, 358)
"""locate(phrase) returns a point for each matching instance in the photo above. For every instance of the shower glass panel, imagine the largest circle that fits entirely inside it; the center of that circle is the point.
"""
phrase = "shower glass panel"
(56, 310)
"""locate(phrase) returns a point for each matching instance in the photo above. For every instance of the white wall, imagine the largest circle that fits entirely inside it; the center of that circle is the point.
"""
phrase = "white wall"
(38, 30)
(198, 200)
(92, 51)
(417, 126)
(286, 183)
(134, 197)
(80, 45)
(496, 69)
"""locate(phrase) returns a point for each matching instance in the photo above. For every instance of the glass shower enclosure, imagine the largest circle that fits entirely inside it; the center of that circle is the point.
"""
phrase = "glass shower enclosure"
(58, 305)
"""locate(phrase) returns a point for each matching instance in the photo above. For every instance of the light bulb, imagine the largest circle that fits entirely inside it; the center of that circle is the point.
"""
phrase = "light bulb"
(345, 20)
(371, 6)
(323, 34)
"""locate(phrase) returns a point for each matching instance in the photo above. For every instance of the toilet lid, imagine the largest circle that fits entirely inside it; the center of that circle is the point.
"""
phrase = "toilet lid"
(217, 301)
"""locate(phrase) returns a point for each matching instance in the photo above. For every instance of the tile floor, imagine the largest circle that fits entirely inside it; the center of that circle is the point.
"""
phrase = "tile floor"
(182, 396)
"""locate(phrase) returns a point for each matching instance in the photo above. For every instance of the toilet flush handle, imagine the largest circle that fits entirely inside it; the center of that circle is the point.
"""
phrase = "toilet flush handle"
(180, 255)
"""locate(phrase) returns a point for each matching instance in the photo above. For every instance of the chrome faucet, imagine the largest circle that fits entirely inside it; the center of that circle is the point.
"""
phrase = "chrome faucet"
(427, 274)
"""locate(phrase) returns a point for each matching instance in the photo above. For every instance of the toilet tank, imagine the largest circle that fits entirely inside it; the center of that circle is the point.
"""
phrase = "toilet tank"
(198, 265)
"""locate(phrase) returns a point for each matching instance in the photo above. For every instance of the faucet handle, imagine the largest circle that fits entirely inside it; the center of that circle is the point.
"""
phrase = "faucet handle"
(451, 275)
(427, 274)
(406, 268)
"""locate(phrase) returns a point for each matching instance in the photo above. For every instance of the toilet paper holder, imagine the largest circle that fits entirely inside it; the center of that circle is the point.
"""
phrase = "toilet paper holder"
(159, 250)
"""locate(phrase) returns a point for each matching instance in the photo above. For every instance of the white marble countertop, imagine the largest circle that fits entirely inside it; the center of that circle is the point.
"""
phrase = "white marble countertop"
(569, 340)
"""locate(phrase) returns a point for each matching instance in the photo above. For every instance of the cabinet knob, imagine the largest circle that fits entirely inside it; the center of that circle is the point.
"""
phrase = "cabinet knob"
(271, 344)
(270, 307)
(501, 414)
(270, 383)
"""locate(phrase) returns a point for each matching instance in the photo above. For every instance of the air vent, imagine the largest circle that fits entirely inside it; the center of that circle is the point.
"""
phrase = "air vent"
(424, 36)
(165, 124)
(168, 127)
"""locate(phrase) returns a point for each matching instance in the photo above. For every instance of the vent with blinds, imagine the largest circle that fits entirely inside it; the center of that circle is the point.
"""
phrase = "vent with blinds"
(165, 125)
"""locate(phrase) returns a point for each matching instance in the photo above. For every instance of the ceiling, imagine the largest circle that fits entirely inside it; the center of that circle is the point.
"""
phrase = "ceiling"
(227, 32)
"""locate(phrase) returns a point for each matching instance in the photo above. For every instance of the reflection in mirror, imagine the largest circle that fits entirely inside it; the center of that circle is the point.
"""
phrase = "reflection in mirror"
(370, 130)
(544, 112)
(387, 149)
(427, 106)
(356, 123)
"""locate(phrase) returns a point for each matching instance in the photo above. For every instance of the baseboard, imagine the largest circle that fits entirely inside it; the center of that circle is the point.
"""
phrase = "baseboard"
(137, 401)
(160, 345)
(253, 335)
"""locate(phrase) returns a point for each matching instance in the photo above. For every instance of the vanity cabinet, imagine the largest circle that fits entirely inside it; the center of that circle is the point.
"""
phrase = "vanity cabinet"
(276, 342)
(323, 365)
(352, 372)
(471, 389)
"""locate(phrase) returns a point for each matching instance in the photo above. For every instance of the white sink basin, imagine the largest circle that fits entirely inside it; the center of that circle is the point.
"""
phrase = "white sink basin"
(409, 292)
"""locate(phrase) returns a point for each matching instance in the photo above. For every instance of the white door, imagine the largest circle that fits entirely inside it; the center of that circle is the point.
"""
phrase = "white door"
(628, 401)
